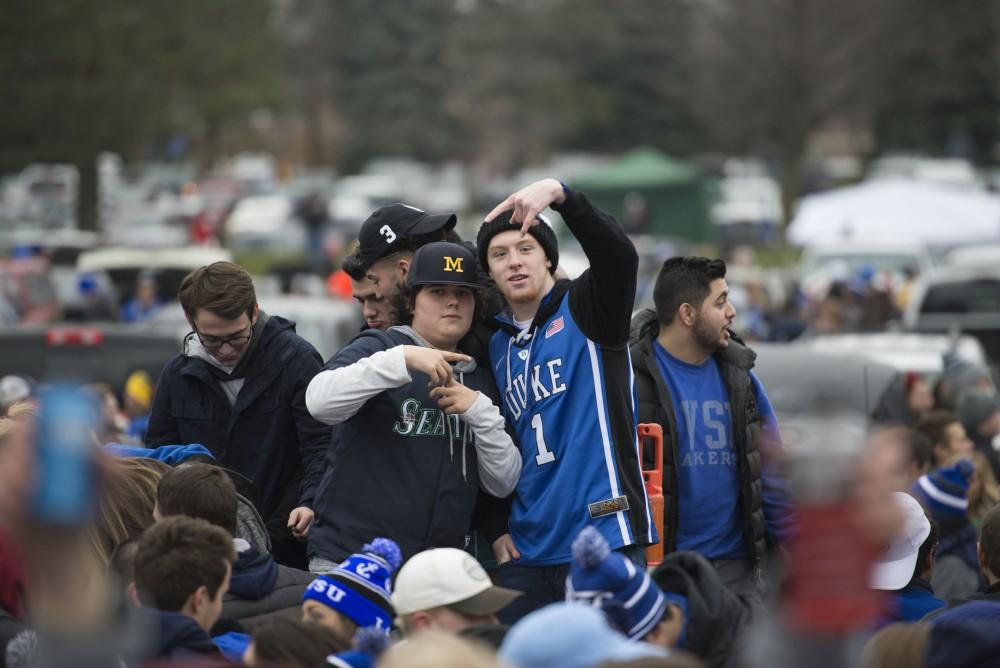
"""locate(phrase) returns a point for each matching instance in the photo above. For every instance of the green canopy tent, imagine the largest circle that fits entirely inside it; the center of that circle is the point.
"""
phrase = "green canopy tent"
(651, 193)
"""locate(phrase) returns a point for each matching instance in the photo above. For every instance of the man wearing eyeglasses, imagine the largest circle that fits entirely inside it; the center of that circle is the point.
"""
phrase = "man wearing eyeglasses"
(238, 388)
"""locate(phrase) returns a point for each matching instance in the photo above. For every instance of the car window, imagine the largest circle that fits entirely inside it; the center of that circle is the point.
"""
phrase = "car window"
(963, 297)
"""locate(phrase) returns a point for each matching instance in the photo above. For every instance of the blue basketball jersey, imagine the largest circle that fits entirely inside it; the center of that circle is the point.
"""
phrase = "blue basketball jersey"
(571, 403)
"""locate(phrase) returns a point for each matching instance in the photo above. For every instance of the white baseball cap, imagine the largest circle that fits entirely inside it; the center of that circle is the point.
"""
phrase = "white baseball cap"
(447, 576)
(898, 559)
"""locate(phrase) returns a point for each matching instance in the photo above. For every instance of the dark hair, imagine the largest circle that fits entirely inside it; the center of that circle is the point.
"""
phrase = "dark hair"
(927, 548)
(296, 644)
(404, 302)
(222, 288)
(684, 280)
(934, 424)
(199, 490)
(122, 562)
(354, 267)
(176, 556)
(918, 447)
(989, 538)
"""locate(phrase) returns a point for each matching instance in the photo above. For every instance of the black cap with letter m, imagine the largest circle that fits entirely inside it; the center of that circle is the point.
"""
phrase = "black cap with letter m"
(443, 263)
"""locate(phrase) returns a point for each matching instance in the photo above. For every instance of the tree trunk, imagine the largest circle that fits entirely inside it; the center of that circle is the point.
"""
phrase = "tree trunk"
(87, 197)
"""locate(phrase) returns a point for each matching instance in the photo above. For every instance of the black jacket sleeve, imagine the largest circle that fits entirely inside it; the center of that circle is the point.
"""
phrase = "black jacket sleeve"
(162, 429)
(601, 299)
(314, 437)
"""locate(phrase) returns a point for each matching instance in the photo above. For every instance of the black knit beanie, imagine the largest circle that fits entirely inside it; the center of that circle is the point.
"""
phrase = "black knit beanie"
(542, 232)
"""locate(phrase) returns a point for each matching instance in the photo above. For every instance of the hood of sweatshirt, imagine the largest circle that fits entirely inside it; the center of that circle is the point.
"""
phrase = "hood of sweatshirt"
(180, 635)
(254, 572)
(716, 616)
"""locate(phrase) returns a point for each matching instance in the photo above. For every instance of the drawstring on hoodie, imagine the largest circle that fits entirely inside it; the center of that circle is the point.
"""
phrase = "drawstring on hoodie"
(465, 438)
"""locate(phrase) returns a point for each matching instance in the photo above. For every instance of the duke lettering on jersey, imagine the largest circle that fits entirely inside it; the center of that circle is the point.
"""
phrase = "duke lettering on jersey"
(710, 419)
(544, 381)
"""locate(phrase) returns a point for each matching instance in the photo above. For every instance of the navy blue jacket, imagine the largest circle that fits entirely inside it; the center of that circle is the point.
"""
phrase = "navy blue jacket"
(391, 471)
(268, 435)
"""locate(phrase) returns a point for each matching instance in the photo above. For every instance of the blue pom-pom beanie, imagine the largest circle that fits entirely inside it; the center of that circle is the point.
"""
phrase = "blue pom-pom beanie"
(611, 583)
(361, 587)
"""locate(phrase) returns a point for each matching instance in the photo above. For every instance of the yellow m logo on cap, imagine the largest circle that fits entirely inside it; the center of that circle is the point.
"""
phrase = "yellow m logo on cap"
(453, 264)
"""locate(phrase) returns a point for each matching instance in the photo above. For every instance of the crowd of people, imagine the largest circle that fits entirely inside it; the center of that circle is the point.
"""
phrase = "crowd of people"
(463, 483)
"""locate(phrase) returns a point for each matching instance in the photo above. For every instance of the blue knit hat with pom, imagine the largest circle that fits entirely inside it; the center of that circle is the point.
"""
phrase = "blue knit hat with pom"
(611, 583)
(361, 587)
(943, 492)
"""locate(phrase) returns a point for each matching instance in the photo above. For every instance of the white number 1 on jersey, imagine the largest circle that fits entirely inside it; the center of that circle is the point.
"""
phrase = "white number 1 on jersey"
(544, 456)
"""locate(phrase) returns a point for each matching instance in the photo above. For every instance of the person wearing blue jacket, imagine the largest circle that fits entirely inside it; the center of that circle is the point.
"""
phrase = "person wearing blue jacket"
(238, 388)
(419, 434)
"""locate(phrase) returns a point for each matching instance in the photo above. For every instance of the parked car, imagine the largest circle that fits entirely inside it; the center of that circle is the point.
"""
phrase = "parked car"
(803, 381)
(91, 353)
(169, 265)
(904, 351)
(959, 299)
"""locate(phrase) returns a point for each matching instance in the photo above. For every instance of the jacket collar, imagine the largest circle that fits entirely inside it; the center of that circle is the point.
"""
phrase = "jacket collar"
(550, 304)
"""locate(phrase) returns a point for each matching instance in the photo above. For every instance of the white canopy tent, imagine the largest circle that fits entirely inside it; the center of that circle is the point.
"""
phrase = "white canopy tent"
(895, 211)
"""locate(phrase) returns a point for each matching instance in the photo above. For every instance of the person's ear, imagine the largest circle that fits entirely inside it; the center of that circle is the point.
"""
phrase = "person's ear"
(132, 595)
(404, 266)
(687, 314)
(421, 620)
(253, 316)
(200, 599)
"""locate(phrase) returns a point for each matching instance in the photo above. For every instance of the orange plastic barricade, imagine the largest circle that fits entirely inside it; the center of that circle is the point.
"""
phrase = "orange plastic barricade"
(654, 485)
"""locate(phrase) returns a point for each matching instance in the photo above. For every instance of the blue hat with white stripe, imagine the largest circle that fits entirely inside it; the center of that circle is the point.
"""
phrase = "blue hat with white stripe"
(943, 492)
(611, 583)
(361, 587)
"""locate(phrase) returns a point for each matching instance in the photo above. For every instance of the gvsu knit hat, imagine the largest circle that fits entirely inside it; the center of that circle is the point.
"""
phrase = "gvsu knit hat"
(943, 492)
(611, 583)
(542, 232)
(361, 587)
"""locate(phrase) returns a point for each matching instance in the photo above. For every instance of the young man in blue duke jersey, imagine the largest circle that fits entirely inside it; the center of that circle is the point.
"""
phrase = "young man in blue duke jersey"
(561, 362)
(694, 378)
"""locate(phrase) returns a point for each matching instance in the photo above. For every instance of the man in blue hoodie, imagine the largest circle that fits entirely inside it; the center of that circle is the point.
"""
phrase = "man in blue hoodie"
(182, 571)
(259, 588)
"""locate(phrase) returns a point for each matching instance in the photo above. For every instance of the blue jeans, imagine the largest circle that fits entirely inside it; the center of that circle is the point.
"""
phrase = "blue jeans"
(542, 585)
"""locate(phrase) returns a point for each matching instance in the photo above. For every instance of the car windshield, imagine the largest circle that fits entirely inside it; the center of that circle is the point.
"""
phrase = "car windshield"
(977, 296)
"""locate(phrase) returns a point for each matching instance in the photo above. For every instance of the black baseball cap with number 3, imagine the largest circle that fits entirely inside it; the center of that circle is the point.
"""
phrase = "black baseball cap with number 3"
(385, 230)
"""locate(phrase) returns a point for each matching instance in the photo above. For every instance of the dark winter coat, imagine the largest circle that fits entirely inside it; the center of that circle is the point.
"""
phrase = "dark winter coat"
(656, 406)
(260, 589)
(267, 436)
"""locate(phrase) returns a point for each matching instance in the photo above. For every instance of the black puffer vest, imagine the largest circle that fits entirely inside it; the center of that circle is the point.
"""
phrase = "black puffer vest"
(656, 406)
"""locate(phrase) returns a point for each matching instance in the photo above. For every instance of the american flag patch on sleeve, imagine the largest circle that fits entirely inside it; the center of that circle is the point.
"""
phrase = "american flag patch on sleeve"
(554, 327)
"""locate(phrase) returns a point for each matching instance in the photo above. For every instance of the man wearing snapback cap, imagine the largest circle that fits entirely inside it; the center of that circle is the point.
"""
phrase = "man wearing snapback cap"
(419, 432)
(387, 241)
(905, 565)
(447, 590)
